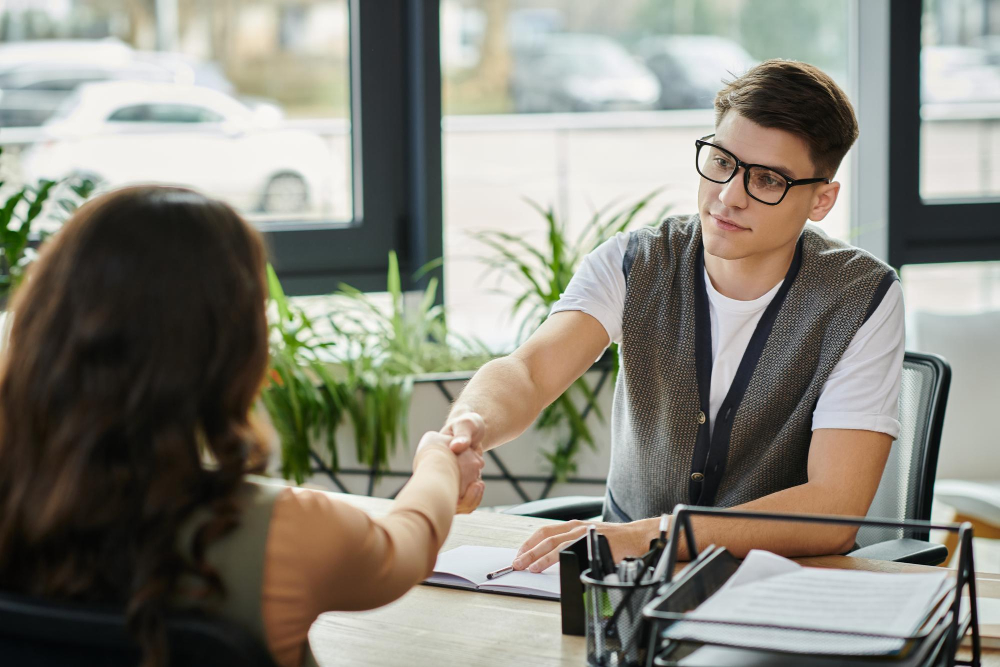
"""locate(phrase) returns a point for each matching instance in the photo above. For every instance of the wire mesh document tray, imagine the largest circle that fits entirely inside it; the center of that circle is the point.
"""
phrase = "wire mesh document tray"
(934, 643)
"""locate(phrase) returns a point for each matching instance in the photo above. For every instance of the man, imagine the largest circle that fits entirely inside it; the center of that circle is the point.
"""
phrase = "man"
(760, 360)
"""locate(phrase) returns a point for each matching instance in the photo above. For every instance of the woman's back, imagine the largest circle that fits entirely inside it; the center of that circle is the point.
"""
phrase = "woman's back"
(137, 349)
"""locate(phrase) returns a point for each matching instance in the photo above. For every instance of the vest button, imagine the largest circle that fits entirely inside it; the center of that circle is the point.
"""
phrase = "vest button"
(701, 417)
(697, 477)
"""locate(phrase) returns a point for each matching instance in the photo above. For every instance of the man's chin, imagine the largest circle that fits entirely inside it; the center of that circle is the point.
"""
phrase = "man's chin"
(724, 248)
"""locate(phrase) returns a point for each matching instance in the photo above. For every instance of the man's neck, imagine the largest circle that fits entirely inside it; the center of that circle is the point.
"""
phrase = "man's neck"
(751, 277)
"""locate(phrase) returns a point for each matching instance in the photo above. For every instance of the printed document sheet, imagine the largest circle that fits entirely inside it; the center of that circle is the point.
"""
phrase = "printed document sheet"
(771, 590)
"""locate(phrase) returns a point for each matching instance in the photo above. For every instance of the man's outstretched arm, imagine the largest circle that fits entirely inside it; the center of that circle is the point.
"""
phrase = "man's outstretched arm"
(506, 395)
(845, 468)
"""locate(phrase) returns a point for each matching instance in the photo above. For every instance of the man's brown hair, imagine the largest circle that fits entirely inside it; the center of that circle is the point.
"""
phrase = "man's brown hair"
(798, 98)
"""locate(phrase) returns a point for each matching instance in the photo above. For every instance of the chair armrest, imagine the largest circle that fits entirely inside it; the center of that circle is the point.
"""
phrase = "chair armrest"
(561, 509)
(905, 550)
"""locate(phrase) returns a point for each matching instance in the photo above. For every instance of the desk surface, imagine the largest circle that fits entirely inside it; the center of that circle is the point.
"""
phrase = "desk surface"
(444, 627)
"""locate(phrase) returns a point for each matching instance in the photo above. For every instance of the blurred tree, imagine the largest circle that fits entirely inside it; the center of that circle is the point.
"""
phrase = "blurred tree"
(813, 31)
(141, 23)
(492, 75)
(484, 88)
(685, 17)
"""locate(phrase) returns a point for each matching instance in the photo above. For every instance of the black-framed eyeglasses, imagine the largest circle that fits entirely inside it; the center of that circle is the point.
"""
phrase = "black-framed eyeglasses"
(765, 184)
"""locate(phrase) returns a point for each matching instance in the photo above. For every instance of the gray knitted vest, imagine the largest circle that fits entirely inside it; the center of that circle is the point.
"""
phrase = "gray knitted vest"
(661, 452)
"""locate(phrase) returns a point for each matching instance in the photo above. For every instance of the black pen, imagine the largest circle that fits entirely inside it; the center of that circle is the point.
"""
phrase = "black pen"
(499, 573)
(594, 554)
(605, 557)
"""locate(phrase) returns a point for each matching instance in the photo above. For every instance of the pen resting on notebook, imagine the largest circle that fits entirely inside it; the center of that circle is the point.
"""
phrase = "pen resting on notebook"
(499, 573)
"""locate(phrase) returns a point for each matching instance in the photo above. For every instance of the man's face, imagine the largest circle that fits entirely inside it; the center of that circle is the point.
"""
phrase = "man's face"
(736, 226)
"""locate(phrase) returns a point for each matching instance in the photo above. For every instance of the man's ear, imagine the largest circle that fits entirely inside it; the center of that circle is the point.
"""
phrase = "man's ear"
(823, 200)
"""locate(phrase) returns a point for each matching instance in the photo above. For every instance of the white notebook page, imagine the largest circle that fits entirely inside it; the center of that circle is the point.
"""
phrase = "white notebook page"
(473, 563)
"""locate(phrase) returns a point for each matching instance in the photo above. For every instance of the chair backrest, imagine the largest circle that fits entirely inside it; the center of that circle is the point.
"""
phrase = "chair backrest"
(41, 632)
(907, 487)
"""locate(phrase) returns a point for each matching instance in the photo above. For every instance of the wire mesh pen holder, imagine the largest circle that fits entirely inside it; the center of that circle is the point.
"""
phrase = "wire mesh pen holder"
(697, 581)
(615, 627)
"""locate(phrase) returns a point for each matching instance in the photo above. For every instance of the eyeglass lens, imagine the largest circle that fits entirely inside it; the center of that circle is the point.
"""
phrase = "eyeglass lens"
(718, 165)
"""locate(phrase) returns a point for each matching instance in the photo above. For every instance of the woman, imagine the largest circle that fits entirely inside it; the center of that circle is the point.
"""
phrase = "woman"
(138, 346)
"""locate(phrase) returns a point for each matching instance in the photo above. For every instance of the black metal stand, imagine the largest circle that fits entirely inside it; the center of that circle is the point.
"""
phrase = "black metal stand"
(516, 481)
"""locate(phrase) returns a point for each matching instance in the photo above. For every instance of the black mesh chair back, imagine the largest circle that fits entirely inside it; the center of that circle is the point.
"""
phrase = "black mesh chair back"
(36, 632)
(907, 487)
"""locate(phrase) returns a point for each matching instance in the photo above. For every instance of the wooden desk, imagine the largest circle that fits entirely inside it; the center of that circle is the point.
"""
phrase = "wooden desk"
(444, 627)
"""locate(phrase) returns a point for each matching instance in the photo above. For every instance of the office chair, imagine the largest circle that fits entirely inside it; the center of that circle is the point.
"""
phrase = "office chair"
(36, 633)
(907, 487)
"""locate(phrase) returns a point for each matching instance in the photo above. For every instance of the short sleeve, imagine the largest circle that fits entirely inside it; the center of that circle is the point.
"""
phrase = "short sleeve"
(598, 286)
(862, 392)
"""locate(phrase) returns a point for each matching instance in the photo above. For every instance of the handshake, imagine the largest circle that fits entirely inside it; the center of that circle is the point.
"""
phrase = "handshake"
(464, 435)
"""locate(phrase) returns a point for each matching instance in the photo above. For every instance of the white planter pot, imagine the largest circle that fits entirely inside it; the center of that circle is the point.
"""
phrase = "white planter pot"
(521, 457)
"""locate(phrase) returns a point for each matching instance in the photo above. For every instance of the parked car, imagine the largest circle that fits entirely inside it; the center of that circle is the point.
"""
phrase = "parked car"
(580, 72)
(37, 76)
(691, 68)
(119, 133)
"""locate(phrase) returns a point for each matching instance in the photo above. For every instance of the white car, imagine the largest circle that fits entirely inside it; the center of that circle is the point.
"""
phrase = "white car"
(125, 132)
(36, 76)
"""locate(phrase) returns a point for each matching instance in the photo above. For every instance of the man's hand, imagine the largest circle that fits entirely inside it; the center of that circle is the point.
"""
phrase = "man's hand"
(466, 431)
(470, 468)
(541, 550)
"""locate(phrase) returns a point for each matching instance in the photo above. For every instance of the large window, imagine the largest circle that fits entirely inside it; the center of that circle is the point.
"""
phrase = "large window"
(959, 144)
(257, 102)
(960, 99)
(944, 197)
(246, 101)
(580, 103)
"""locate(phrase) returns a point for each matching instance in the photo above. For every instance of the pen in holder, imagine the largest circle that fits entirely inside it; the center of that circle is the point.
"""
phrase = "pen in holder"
(616, 631)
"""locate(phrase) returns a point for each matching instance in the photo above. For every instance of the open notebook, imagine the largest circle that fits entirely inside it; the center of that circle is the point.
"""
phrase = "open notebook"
(467, 566)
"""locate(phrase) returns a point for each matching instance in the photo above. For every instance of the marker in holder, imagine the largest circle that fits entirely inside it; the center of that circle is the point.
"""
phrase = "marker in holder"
(617, 635)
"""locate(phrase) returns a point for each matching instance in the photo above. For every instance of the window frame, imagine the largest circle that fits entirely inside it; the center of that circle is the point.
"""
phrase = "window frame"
(936, 230)
(396, 180)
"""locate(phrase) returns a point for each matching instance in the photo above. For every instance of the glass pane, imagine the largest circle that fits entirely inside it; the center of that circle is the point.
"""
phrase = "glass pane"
(954, 310)
(248, 102)
(581, 103)
(960, 99)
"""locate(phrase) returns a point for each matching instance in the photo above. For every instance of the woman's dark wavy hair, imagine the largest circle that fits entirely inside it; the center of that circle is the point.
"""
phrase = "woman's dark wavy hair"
(138, 346)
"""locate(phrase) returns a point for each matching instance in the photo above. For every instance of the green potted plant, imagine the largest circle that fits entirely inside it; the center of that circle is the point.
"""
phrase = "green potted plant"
(21, 208)
(358, 362)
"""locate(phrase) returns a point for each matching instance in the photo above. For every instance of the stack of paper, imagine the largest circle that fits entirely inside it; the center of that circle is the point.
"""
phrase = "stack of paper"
(806, 604)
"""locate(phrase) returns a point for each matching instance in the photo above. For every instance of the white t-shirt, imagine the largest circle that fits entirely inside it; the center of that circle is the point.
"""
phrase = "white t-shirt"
(862, 391)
